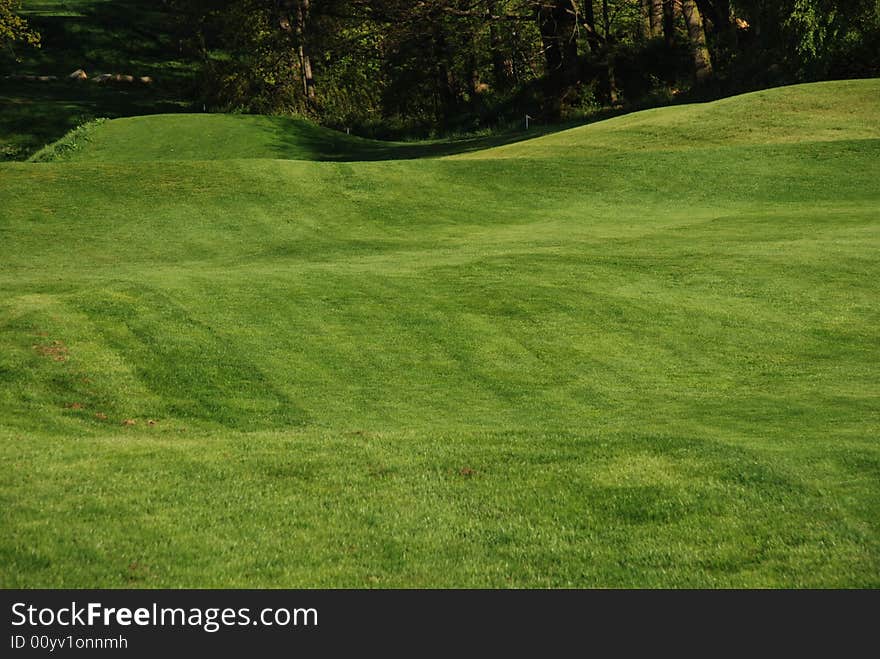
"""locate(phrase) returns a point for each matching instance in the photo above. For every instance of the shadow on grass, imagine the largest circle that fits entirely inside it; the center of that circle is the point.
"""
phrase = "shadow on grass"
(135, 37)
(292, 137)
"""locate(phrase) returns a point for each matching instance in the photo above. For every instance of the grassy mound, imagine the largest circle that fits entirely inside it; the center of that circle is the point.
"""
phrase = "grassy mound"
(829, 111)
(206, 137)
(638, 353)
(802, 113)
(169, 137)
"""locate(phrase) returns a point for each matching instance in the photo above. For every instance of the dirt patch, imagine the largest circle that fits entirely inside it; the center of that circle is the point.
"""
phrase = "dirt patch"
(55, 350)
(129, 422)
(137, 571)
(101, 416)
(75, 406)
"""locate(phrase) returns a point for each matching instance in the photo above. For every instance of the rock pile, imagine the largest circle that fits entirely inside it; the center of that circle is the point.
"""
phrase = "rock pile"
(81, 76)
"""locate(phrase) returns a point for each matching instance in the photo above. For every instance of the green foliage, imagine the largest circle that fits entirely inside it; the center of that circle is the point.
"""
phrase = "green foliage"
(812, 39)
(440, 66)
(254, 71)
(825, 31)
(394, 67)
(351, 78)
(13, 28)
(69, 145)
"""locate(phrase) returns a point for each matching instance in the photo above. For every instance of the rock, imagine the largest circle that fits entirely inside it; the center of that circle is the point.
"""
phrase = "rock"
(78, 75)
(29, 78)
(121, 77)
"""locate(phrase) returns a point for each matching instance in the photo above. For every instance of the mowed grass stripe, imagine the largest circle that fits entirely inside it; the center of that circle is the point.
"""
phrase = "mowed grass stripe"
(504, 509)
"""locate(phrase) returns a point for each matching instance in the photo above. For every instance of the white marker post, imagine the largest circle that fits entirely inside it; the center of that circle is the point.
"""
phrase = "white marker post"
(527, 121)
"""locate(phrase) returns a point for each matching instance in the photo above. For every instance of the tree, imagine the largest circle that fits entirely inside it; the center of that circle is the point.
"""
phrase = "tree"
(557, 23)
(697, 39)
(656, 18)
(821, 32)
(305, 59)
(435, 65)
(502, 64)
(671, 10)
(13, 28)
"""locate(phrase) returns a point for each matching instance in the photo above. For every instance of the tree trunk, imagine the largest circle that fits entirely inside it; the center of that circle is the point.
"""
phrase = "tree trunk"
(445, 80)
(590, 20)
(558, 27)
(477, 85)
(305, 60)
(697, 38)
(669, 14)
(610, 77)
(645, 19)
(656, 18)
(720, 15)
(501, 66)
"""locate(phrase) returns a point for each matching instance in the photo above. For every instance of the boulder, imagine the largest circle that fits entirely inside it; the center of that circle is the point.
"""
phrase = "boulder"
(78, 75)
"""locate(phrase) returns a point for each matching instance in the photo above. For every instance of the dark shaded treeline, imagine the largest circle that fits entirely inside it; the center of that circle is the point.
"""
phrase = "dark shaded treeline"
(462, 64)
(397, 66)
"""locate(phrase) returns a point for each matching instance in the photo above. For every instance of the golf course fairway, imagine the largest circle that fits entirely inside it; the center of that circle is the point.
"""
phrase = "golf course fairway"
(243, 351)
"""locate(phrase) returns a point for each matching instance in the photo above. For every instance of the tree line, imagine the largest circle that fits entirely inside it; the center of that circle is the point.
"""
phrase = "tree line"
(446, 65)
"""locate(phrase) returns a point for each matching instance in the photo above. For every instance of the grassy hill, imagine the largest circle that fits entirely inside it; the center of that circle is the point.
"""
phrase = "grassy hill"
(637, 353)
(817, 113)
(170, 137)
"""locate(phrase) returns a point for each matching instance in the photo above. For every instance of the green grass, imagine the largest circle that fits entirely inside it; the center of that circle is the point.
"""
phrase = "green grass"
(176, 137)
(638, 353)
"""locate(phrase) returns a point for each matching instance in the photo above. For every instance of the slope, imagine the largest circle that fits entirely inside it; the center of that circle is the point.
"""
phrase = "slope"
(828, 111)
(168, 137)
(815, 112)
(634, 367)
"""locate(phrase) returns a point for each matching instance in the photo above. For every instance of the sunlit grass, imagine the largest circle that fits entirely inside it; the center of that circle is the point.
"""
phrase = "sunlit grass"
(592, 364)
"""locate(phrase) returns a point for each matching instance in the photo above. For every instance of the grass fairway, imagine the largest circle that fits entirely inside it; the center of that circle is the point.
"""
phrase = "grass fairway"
(638, 353)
